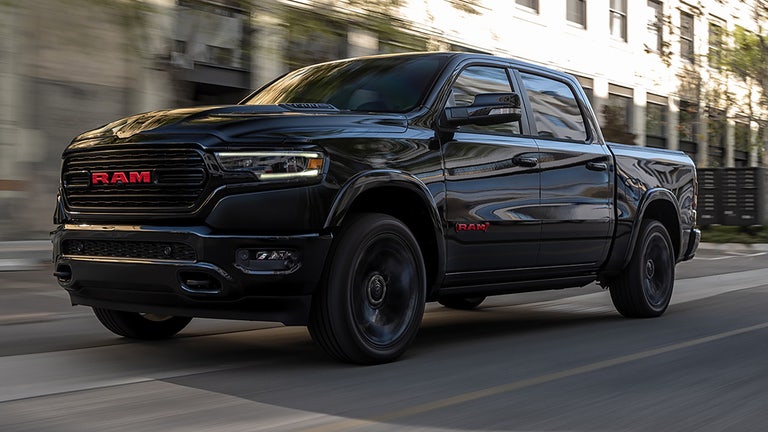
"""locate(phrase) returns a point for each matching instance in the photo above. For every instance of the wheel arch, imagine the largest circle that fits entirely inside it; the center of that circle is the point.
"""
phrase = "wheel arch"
(661, 205)
(404, 197)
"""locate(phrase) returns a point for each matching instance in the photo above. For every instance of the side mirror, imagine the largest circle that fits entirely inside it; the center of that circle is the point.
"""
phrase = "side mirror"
(486, 109)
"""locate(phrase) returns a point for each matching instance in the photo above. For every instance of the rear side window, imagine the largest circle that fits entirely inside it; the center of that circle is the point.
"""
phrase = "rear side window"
(555, 110)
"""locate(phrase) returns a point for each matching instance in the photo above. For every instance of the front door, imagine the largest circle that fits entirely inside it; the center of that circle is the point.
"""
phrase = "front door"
(492, 187)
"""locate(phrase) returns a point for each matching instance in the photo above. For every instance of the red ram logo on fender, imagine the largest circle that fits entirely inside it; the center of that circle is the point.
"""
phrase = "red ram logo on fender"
(472, 226)
(119, 177)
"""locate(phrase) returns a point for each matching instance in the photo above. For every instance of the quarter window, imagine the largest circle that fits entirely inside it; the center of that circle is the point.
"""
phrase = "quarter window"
(555, 109)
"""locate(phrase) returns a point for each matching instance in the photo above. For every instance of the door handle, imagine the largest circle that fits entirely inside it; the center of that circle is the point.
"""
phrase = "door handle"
(527, 162)
(597, 166)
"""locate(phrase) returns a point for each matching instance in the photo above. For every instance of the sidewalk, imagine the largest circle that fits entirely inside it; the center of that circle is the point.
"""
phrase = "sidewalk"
(24, 255)
(34, 254)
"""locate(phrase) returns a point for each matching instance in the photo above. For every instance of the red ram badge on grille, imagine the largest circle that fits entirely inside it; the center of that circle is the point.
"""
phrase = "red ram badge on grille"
(120, 177)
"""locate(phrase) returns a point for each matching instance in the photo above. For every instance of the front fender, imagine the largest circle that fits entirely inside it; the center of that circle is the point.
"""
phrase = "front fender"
(369, 180)
(401, 195)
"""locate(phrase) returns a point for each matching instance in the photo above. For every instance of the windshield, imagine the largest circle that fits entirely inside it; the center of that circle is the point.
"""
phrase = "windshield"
(383, 84)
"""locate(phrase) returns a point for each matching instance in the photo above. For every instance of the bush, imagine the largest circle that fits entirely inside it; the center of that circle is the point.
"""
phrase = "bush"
(734, 234)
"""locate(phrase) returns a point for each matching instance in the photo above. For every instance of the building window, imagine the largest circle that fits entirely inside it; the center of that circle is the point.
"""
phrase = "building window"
(715, 44)
(617, 115)
(530, 4)
(576, 12)
(686, 36)
(618, 19)
(656, 122)
(655, 26)
(741, 143)
(686, 126)
(716, 130)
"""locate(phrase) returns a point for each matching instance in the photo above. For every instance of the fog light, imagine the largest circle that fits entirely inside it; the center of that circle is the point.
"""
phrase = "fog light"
(267, 260)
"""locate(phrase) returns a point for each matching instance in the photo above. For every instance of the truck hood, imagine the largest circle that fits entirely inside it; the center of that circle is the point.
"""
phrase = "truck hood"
(241, 124)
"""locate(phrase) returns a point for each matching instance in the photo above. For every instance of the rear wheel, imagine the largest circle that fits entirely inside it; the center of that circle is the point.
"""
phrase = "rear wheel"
(645, 287)
(140, 326)
(370, 305)
(462, 303)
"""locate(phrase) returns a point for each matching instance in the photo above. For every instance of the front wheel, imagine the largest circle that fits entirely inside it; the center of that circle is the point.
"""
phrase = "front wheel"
(140, 326)
(370, 305)
(645, 287)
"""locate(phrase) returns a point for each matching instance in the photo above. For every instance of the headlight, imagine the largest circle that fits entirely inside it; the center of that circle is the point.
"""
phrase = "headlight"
(275, 165)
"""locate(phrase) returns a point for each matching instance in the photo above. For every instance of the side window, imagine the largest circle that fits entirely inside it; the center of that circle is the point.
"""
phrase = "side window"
(475, 80)
(555, 110)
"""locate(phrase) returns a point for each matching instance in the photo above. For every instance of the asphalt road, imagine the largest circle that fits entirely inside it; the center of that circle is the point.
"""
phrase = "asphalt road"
(551, 361)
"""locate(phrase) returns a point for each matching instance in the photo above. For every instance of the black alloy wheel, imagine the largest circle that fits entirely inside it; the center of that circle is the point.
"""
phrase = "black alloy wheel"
(645, 287)
(370, 307)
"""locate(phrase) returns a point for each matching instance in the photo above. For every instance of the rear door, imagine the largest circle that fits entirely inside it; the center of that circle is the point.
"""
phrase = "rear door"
(576, 176)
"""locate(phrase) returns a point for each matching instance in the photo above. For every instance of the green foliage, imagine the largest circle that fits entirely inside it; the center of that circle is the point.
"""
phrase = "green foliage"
(734, 234)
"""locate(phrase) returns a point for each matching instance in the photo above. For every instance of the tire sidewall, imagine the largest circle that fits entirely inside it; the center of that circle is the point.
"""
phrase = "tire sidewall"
(361, 233)
(654, 231)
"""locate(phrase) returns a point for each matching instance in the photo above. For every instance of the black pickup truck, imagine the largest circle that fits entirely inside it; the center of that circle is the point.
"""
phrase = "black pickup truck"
(345, 195)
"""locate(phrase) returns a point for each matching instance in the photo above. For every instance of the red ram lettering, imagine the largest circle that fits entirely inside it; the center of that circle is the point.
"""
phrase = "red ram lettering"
(119, 177)
(139, 177)
(99, 178)
(472, 227)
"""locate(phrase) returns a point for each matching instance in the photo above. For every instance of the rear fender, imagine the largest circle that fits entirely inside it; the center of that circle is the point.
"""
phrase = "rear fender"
(649, 199)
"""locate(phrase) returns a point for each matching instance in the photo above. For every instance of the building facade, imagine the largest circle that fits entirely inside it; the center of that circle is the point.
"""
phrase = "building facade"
(651, 67)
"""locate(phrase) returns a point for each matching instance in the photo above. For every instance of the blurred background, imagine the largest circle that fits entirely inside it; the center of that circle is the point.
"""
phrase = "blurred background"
(667, 74)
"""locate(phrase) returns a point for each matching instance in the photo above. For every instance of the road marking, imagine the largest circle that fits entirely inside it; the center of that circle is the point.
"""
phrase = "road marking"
(733, 255)
(542, 379)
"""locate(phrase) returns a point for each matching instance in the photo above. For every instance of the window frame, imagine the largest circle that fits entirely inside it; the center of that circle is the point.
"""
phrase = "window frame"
(582, 5)
(622, 15)
(715, 42)
(655, 22)
(525, 127)
(687, 36)
(529, 5)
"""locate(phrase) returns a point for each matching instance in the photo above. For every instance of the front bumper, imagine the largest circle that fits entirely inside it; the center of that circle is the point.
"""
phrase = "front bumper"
(189, 271)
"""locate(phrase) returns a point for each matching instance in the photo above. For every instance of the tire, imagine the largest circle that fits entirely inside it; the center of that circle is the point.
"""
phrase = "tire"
(461, 303)
(645, 286)
(140, 326)
(370, 305)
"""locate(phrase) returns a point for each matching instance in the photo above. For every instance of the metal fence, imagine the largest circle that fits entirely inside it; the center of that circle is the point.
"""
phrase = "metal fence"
(732, 196)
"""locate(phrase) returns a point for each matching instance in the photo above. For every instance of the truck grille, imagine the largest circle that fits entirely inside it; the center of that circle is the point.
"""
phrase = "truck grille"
(129, 249)
(178, 180)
